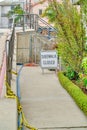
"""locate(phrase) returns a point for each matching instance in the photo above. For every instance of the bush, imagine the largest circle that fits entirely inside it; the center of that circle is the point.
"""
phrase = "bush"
(70, 73)
(77, 94)
(84, 65)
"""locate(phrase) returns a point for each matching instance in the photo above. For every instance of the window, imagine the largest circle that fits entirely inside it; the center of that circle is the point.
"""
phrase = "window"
(40, 11)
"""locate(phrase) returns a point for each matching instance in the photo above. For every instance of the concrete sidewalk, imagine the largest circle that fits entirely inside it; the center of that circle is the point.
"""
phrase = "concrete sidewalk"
(8, 106)
(8, 109)
(46, 104)
(8, 114)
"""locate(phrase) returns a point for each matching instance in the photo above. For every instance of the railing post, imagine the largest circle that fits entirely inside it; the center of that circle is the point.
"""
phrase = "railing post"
(7, 63)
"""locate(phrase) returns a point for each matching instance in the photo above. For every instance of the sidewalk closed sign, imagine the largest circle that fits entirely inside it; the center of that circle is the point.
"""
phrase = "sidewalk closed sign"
(49, 59)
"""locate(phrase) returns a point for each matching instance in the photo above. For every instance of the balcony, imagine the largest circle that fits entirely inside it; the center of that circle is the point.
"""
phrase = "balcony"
(75, 1)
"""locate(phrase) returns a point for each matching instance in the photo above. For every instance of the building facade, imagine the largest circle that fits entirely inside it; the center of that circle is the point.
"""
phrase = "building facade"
(5, 7)
(74, 1)
(30, 6)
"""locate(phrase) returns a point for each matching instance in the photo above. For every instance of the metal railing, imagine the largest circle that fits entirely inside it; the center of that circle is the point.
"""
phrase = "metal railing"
(9, 55)
(34, 21)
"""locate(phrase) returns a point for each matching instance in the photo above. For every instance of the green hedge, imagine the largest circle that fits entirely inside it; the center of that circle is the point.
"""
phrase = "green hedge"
(77, 94)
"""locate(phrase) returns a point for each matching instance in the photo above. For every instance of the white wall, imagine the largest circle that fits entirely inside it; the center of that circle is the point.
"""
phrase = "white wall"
(4, 20)
(5, 9)
(39, 6)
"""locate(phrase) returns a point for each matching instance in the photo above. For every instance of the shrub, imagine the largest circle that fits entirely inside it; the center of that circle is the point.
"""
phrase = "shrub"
(70, 73)
(83, 78)
(85, 81)
(77, 94)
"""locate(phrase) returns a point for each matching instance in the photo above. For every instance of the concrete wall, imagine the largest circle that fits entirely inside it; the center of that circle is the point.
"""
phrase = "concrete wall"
(29, 45)
(22, 47)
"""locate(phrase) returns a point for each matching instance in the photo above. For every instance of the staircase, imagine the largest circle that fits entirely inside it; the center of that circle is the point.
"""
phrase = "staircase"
(34, 21)
(42, 27)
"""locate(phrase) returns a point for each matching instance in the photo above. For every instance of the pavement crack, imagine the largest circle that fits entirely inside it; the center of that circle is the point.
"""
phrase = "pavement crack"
(72, 127)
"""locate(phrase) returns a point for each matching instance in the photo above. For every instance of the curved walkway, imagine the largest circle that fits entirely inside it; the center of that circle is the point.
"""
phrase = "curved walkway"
(47, 106)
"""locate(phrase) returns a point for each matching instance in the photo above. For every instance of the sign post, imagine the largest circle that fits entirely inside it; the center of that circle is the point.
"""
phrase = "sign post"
(49, 60)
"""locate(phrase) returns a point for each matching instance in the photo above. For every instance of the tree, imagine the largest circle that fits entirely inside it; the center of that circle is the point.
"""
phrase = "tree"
(83, 4)
(71, 34)
(17, 11)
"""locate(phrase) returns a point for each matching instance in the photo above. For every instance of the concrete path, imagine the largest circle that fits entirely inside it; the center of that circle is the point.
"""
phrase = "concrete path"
(8, 114)
(47, 106)
(8, 107)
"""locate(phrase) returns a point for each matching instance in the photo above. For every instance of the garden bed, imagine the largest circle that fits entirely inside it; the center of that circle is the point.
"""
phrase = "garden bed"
(81, 86)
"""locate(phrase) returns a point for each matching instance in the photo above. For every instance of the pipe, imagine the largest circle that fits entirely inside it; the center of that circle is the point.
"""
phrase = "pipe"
(19, 96)
(18, 84)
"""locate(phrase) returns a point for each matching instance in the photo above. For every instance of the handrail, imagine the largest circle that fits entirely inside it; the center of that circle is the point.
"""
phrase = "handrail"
(32, 21)
(9, 56)
(43, 21)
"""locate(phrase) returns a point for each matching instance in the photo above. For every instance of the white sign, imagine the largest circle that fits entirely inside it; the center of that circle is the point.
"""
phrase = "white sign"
(49, 59)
